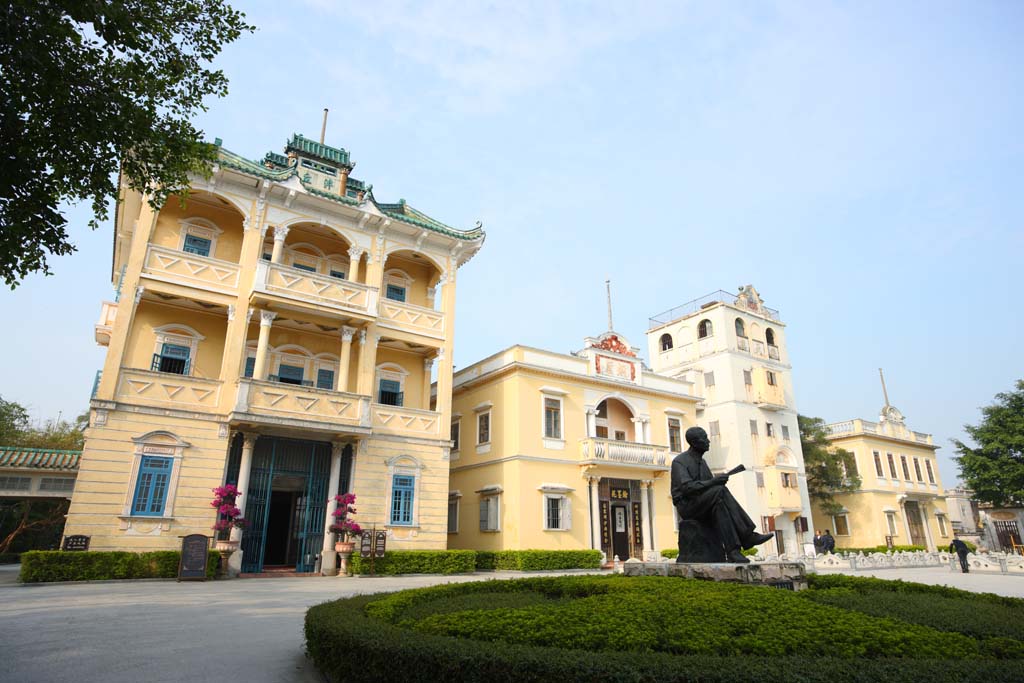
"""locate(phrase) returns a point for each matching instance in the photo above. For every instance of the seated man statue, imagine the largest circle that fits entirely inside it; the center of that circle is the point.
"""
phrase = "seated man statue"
(702, 496)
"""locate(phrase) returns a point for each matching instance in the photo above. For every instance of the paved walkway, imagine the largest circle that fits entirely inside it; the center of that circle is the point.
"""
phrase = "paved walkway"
(243, 630)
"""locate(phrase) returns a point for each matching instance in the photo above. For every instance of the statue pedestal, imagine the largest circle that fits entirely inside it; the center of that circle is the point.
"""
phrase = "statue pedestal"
(788, 575)
(698, 543)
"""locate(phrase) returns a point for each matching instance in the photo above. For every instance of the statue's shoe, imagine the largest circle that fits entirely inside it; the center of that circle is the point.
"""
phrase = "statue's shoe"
(756, 539)
(736, 557)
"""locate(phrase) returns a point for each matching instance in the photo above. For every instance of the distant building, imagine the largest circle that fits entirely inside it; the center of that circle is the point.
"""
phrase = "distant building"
(37, 473)
(901, 494)
(732, 349)
(964, 515)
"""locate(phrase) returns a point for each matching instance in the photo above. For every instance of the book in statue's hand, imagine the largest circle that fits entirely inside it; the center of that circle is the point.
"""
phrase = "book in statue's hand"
(736, 470)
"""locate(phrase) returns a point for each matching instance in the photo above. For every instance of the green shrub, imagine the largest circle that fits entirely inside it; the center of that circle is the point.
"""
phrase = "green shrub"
(10, 558)
(881, 549)
(540, 560)
(647, 629)
(397, 562)
(43, 566)
(486, 560)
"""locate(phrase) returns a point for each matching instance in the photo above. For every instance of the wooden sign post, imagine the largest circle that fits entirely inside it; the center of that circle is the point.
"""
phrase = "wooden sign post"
(372, 545)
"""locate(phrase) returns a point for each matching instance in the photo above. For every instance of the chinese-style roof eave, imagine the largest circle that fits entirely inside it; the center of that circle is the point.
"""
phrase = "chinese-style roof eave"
(319, 151)
(14, 457)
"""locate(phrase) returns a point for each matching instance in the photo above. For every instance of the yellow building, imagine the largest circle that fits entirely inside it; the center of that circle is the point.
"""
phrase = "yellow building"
(566, 452)
(901, 494)
(278, 330)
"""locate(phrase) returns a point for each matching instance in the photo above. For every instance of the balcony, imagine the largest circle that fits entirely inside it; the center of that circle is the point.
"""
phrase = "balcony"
(773, 352)
(743, 343)
(281, 403)
(770, 397)
(418, 319)
(607, 451)
(171, 265)
(167, 390)
(405, 421)
(780, 497)
(322, 290)
(104, 326)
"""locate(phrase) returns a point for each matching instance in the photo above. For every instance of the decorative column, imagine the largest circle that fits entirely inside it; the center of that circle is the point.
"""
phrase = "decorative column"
(653, 515)
(591, 423)
(329, 558)
(344, 358)
(903, 513)
(367, 359)
(647, 430)
(279, 234)
(431, 296)
(266, 320)
(428, 363)
(645, 512)
(355, 256)
(595, 514)
(248, 444)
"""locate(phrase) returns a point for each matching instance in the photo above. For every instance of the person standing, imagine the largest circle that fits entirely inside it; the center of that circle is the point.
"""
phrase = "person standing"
(961, 550)
(819, 542)
(828, 544)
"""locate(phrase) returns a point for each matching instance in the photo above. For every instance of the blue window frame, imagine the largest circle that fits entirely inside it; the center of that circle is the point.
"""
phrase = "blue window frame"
(389, 393)
(324, 379)
(338, 274)
(250, 366)
(289, 374)
(172, 358)
(402, 490)
(305, 267)
(267, 256)
(151, 486)
(197, 245)
(395, 293)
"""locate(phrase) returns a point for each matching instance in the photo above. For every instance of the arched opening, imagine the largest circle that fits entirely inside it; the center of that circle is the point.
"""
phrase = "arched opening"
(665, 342)
(313, 248)
(704, 329)
(205, 226)
(615, 421)
(769, 336)
(411, 278)
(741, 330)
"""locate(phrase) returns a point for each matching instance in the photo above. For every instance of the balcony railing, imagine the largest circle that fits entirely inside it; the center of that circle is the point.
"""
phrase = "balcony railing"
(300, 285)
(405, 421)
(274, 399)
(171, 265)
(96, 383)
(623, 452)
(169, 364)
(105, 325)
(773, 352)
(743, 343)
(697, 304)
(167, 390)
(391, 398)
(417, 319)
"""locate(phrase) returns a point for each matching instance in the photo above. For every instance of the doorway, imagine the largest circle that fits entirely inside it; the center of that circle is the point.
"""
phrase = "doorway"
(620, 531)
(279, 551)
(913, 512)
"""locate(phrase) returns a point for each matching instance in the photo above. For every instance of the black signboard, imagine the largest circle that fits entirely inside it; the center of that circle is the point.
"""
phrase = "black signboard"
(192, 566)
(380, 540)
(638, 527)
(76, 542)
(366, 544)
(606, 534)
(620, 493)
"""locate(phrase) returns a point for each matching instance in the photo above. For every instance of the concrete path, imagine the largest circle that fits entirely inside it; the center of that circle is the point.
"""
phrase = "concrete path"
(243, 630)
(1000, 584)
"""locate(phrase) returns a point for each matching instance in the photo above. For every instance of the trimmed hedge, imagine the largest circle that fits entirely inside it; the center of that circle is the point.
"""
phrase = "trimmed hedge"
(634, 629)
(43, 566)
(537, 560)
(673, 553)
(417, 562)
(881, 549)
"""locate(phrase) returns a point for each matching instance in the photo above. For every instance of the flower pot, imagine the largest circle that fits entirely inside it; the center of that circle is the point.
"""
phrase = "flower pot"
(225, 546)
(344, 547)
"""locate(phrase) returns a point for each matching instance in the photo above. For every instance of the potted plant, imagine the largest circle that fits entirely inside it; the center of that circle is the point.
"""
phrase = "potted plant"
(228, 517)
(343, 526)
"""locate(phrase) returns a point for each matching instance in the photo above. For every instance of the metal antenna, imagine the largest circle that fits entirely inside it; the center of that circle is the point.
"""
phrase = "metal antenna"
(323, 128)
(884, 392)
(608, 287)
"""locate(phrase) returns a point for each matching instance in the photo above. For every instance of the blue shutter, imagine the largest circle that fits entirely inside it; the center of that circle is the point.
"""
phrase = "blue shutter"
(338, 274)
(402, 489)
(395, 293)
(325, 379)
(250, 366)
(289, 374)
(303, 266)
(197, 245)
(390, 393)
(151, 486)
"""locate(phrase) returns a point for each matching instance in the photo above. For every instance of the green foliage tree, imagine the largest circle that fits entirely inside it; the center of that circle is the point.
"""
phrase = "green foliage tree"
(995, 468)
(13, 421)
(829, 470)
(88, 86)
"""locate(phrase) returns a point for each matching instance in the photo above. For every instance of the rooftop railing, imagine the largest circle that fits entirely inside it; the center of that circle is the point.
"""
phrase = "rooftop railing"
(691, 307)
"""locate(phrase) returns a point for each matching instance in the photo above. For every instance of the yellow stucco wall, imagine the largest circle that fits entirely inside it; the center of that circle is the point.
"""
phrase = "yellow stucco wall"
(150, 316)
(167, 232)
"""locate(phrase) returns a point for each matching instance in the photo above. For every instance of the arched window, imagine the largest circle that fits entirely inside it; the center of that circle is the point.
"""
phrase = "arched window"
(704, 329)
(741, 331)
(666, 342)
(769, 336)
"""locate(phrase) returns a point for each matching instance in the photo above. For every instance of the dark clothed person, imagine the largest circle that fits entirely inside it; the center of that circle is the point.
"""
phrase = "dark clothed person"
(960, 548)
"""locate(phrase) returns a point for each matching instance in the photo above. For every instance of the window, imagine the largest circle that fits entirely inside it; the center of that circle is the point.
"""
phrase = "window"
(906, 470)
(389, 392)
(842, 525)
(290, 374)
(709, 379)
(789, 480)
(59, 484)
(309, 268)
(704, 329)
(552, 418)
(917, 470)
(402, 490)
(197, 245)
(771, 378)
(878, 464)
(675, 435)
(455, 435)
(173, 358)
(801, 525)
(740, 329)
(713, 428)
(324, 379)
(769, 429)
(483, 427)
(267, 256)
(941, 519)
(556, 513)
(10, 483)
(337, 273)
(151, 486)
(665, 342)
(931, 474)
(453, 514)
(395, 293)
(753, 427)
(892, 466)
(759, 478)
(250, 366)
(890, 520)
(489, 513)
(785, 433)
(620, 435)
(748, 378)
(769, 336)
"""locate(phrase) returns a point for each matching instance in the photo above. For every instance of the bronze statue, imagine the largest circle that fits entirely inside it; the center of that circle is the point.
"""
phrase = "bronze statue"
(701, 496)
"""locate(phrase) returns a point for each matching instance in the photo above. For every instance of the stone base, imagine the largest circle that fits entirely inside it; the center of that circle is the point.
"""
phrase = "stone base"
(790, 575)
(698, 543)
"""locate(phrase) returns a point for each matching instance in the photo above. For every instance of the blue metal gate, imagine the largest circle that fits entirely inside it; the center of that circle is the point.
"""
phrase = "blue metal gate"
(272, 456)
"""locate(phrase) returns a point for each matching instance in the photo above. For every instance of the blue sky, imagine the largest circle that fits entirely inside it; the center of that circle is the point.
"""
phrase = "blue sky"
(859, 163)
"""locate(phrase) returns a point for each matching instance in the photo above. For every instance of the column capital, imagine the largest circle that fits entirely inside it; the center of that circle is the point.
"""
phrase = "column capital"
(280, 232)
(355, 252)
(593, 480)
(248, 315)
(336, 448)
(249, 440)
(428, 363)
(231, 312)
(362, 337)
(267, 318)
(646, 483)
(347, 333)
(591, 411)
(139, 289)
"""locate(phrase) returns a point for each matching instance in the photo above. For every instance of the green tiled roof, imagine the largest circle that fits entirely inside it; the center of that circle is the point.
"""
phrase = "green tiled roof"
(39, 458)
(405, 213)
(278, 160)
(239, 163)
(333, 155)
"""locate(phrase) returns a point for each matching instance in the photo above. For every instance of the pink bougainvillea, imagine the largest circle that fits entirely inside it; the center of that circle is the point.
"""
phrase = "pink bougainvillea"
(344, 526)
